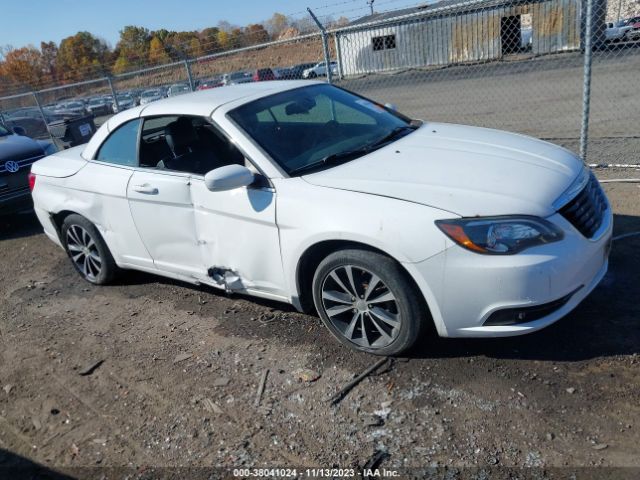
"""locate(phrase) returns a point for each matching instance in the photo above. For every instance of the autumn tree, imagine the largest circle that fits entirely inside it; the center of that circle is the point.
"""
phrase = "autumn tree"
(23, 65)
(209, 40)
(157, 53)
(81, 56)
(49, 51)
(254, 34)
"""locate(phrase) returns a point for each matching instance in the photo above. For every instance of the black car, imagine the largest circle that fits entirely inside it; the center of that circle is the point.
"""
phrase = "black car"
(17, 153)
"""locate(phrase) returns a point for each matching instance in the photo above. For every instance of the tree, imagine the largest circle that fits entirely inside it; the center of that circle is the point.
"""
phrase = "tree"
(209, 40)
(277, 24)
(134, 44)
(23, 65)
(157, 53)
(255, 34)
(81, 55)
(49, 52)
(223, 40)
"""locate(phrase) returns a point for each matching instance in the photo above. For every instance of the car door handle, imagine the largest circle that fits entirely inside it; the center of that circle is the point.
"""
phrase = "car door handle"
(146, 188)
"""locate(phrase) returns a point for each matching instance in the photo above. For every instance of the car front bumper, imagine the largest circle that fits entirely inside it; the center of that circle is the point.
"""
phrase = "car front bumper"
(15, 201)
(463, 289)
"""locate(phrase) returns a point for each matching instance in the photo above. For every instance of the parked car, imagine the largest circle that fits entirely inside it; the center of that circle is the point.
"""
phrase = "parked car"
(151, 95)
(305, 193)
(17, 154)
(295, 71)
(125, 102)
(320, 70)
(99, 106)
(263, 75)
(634, 32)
(615, 32)
(237, 78)
(30, 119)
(206, 84)
(178, 89)
(70, 109)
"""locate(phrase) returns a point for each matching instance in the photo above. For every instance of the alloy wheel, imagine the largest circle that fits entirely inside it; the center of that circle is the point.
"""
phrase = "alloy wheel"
(361, 307)
(84, 252)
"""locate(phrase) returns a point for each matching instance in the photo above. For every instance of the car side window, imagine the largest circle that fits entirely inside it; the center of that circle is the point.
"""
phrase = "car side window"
(185, 144)
(121, 147)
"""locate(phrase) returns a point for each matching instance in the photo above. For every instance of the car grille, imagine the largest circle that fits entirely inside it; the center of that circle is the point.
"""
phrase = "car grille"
(586, 210)
(21, 163)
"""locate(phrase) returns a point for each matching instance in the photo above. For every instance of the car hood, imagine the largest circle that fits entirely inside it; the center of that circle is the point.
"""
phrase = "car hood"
(17, 147)
(468, 171)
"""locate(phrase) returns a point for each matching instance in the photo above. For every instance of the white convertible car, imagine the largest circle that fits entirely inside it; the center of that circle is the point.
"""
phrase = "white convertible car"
(305, 193)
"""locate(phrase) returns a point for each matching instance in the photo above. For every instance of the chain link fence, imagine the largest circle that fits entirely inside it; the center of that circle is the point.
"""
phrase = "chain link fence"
(561, 70)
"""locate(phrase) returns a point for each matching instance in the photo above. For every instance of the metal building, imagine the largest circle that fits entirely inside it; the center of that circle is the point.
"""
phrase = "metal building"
(452, 32)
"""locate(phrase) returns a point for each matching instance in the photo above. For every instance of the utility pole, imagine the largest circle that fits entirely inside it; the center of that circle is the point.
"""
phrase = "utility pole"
(370, 3)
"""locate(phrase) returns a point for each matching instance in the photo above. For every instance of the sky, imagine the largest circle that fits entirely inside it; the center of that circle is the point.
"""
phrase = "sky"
(24, 22)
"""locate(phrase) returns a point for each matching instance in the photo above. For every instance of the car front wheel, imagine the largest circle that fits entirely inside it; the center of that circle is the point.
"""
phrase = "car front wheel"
(87, 250)
(368, 302)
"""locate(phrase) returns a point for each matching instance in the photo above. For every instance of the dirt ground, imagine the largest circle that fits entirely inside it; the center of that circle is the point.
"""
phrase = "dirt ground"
(181, 367)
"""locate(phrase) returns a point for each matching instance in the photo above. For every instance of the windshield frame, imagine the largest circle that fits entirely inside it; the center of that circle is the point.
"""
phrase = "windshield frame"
(288, 172)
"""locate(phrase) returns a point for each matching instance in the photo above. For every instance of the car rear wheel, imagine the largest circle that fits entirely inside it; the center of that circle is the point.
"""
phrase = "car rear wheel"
(88, 253)
(367, 301)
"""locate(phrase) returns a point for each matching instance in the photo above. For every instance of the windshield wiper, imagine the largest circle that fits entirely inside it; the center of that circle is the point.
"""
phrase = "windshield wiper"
(392, 135)
(333, 159)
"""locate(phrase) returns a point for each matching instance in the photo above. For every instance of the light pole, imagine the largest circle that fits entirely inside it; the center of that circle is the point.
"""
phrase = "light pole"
(370, 3)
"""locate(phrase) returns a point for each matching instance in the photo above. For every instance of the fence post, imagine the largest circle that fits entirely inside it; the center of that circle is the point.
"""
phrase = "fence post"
(44, 118)
(338, 55)
(325, 46)
(113, 92)
(586, 83)
(189, 76)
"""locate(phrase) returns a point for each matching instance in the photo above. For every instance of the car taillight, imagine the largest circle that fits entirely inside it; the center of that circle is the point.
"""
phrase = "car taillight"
(32, 181)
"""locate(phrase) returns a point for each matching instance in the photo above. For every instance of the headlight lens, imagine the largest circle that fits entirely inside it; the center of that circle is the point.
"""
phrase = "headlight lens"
(500, 235)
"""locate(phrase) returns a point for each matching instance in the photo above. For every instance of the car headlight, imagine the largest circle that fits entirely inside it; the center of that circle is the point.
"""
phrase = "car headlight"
(500, 235)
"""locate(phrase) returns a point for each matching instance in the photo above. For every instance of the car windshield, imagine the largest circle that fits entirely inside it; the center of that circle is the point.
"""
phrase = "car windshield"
(96, 101)
(239, 75)
(124, 98)
(74, 105)
(179, 88)
(151, 93)
(313, 127)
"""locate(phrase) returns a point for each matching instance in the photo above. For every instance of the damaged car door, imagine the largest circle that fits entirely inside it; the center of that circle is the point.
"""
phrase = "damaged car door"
(236, 228)
(159, 195)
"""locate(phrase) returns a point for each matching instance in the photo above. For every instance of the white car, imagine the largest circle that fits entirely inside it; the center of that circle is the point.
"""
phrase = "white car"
(308, 194)
(320, 70)
(616, 31)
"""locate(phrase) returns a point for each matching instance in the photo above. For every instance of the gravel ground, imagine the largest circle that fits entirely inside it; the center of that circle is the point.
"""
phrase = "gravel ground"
(181, 367)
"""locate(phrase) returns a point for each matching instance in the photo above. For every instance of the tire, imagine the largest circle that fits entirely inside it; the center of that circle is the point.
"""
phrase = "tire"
(391, 312)
(80, 236)
(312, 75)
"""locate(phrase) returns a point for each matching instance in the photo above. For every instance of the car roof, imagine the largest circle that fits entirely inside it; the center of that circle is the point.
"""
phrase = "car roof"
(200, 103)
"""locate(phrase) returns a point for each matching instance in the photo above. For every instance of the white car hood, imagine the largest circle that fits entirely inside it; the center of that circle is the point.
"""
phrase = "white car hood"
(465, 170)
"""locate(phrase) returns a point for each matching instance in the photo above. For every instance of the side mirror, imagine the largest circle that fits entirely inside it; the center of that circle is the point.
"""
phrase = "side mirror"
(228, 177)
(20, 131)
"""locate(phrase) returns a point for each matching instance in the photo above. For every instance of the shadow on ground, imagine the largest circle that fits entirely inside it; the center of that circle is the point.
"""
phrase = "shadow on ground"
(19, 225)
(15, 467)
